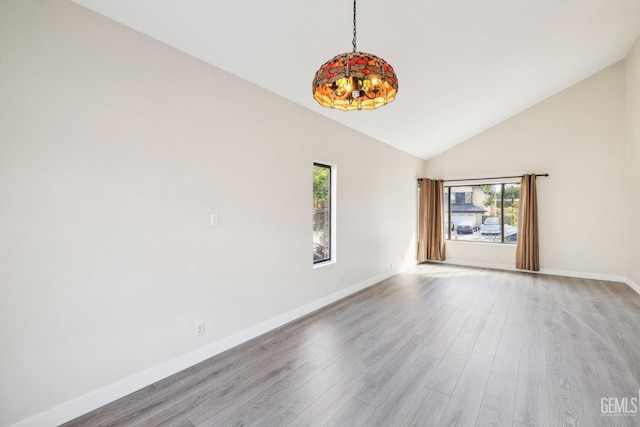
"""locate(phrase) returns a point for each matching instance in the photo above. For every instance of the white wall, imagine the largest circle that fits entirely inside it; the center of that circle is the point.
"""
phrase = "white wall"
(114, 150)
(578, 137)
(633, 162)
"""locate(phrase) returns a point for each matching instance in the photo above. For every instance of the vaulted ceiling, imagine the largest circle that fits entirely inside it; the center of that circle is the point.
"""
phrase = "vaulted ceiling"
(463, 65)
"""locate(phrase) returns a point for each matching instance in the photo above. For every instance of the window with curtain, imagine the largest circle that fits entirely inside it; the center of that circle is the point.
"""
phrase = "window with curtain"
(482, 212)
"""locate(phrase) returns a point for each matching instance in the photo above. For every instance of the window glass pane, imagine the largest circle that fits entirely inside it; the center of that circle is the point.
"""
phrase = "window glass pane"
(466, 213)
(483, 213)
(491, 226)
(321, 213)
(511, 205)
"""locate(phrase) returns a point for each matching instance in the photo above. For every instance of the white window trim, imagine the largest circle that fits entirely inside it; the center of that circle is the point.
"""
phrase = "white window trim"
(334, 216)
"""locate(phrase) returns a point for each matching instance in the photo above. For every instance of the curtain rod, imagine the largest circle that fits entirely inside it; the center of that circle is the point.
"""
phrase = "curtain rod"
(482, 179)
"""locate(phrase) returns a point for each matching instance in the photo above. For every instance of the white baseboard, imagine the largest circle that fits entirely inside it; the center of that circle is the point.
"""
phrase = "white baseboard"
(583, 275)
(552, 272)
(466, 263)
(633, 285)
(87, 403)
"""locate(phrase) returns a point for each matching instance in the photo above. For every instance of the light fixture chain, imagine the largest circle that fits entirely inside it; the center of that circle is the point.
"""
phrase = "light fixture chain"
(354, 26)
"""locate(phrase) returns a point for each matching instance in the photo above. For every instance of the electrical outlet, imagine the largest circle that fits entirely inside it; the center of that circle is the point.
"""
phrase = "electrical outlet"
(199, 328)
(214, 220)
(391, 267)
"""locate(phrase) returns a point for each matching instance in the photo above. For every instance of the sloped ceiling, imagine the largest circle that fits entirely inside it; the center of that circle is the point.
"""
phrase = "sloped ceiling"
(463, 65)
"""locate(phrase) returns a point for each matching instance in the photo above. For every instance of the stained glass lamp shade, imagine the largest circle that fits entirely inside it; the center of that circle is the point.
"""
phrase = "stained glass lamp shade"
(355, 80)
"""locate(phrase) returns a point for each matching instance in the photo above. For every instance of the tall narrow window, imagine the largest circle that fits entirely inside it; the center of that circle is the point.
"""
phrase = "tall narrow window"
(321, 213)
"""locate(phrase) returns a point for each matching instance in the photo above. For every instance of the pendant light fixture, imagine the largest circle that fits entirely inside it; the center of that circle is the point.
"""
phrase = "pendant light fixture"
(355, 80)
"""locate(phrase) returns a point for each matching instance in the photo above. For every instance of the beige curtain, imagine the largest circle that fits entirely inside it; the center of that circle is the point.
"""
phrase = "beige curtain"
(431, 221)
(527, 249)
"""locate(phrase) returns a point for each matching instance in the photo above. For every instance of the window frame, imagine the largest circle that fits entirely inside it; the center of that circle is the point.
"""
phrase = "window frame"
(450, 195)
(331, 215)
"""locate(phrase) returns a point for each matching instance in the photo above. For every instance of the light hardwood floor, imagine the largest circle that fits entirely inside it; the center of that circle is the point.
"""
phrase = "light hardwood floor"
(439, 346)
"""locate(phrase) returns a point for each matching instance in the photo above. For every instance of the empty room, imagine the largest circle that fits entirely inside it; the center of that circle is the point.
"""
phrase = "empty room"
(209, 215)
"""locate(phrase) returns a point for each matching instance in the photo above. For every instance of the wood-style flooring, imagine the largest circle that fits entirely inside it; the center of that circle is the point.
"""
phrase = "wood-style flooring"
(438, 346)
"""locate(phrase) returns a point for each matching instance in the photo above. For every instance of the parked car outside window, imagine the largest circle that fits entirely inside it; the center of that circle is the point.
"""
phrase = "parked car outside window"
(465, 227)
(512, 237)
(491, 226)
